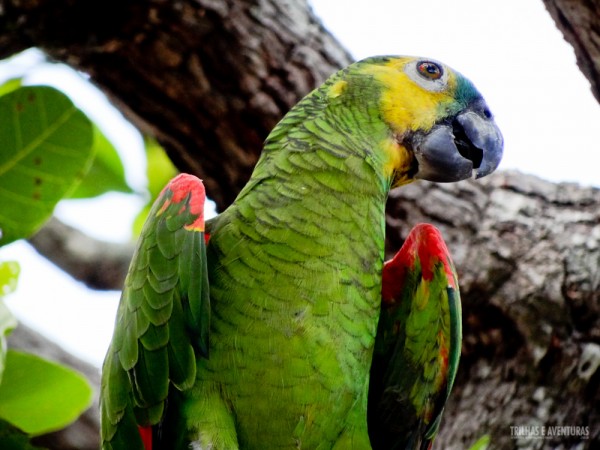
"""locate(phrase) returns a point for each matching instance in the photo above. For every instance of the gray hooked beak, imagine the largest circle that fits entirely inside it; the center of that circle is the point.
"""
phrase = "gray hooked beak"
(456, 149)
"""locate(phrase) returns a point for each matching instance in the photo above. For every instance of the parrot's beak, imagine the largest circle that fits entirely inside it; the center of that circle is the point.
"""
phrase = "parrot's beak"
(468, 144)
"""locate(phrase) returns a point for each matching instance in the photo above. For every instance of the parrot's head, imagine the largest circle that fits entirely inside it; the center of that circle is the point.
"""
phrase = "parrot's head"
(438, 126)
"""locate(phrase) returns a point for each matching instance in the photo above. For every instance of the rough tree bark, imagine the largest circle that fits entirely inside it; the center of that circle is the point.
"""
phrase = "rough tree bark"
(210, 78)
(578, 21)
(97, 264)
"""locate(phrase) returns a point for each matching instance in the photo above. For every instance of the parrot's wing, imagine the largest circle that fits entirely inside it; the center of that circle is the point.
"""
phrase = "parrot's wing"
(163, 317)
(418, 342)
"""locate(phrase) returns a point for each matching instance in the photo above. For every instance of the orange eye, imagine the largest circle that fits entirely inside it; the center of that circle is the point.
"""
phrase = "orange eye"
(430, 70)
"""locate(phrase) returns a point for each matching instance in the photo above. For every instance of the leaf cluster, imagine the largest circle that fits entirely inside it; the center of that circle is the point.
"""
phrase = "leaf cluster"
(50, 151)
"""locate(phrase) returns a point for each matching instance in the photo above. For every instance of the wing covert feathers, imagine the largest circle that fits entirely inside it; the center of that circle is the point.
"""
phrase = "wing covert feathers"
(418, 342)
(163, 317)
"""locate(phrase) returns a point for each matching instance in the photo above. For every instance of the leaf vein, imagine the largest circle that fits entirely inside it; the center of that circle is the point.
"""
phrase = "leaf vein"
(36, 142)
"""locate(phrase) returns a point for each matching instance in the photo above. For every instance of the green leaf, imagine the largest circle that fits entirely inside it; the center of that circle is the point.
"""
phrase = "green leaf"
(8, 322)
(159, 171)
(482, 443)
(159, 168)
(107, 172)
(10, 85)
(46, 148)
(39, 396)
(11, 438)
(9, 274)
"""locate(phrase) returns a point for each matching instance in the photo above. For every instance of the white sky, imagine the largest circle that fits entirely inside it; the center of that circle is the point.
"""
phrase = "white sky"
(510, 49)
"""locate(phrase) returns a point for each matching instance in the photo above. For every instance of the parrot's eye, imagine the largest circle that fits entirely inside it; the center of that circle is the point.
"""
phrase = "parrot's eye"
(430, 70)
(428, 74)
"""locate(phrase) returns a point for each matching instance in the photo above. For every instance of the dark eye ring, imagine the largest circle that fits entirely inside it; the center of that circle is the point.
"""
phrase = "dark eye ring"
(430, 70)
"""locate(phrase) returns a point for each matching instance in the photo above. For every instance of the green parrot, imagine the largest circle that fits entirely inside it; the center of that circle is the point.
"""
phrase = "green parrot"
(263, 337)
(418, 342)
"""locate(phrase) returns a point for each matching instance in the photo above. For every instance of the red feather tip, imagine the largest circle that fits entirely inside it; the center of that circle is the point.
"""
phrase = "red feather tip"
(183, 185)
(146, 435)
(424, 242)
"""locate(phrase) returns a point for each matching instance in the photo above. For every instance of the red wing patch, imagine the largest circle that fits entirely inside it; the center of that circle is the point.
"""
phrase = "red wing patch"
(146, 435)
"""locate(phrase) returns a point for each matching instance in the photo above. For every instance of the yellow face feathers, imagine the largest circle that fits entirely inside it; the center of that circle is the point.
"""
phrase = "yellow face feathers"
(398, 162)
(414, 91)
(437, 125)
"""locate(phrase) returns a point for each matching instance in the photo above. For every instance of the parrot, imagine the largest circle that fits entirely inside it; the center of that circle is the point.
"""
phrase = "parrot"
(256, 329)
(418, 343)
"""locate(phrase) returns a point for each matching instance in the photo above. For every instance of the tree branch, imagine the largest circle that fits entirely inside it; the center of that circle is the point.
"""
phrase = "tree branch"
(579, 23)
(98, 264)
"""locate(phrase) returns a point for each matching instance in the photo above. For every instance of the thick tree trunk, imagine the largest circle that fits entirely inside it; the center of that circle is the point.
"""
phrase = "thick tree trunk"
(579, 21)
(210, 78)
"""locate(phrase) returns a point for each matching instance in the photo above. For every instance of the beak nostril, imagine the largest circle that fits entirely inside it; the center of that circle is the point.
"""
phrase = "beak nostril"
(464, 145)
